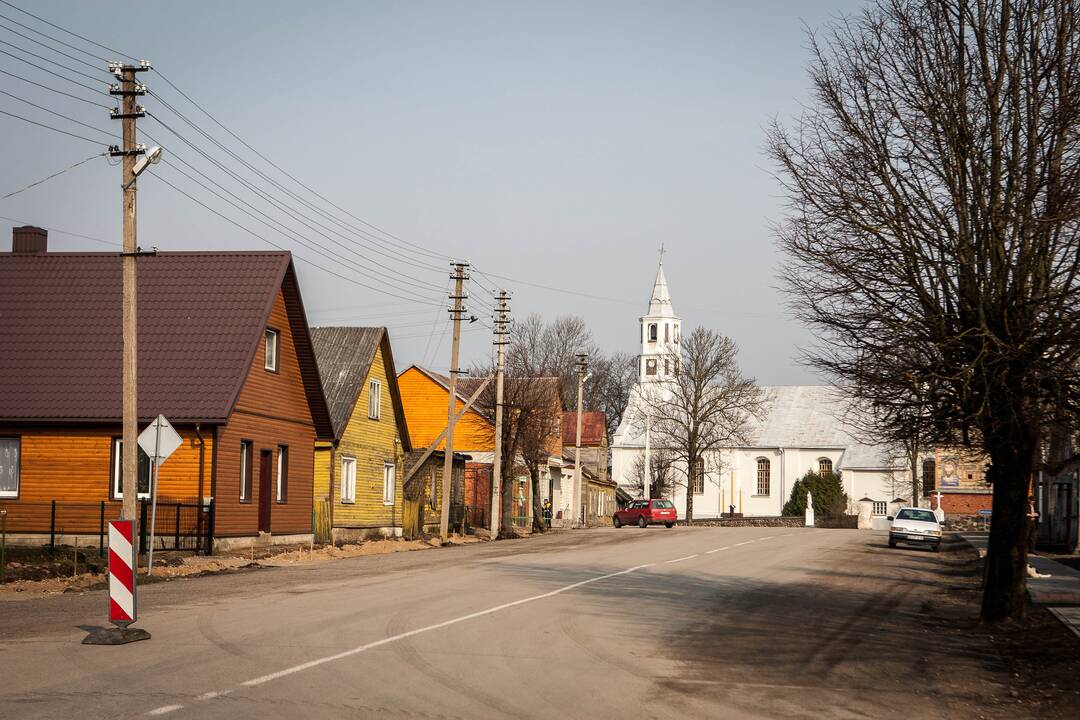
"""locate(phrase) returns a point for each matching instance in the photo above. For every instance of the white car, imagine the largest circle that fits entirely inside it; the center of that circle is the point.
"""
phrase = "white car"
(915, 526)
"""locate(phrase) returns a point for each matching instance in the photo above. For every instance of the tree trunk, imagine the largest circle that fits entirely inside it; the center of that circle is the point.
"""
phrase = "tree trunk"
(538, 510)
(506, 526)
(1012, 453)
(690, 499)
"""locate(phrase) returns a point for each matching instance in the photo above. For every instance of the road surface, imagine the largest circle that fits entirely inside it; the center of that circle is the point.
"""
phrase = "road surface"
(687, 622)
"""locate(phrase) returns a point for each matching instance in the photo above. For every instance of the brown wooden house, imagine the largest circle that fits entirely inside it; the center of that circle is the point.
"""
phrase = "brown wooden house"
(224, 353)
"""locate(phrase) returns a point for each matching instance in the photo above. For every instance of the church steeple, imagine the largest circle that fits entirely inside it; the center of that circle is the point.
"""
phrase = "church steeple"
(660, 330)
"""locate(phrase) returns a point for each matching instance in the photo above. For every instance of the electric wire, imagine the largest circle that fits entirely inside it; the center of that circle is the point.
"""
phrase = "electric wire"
(44, 45)
(65, 232)
(50, 60)
(50, 127)
(59, 114)
(69, 32)
(55, 174)
(52, 89)
(56, 74)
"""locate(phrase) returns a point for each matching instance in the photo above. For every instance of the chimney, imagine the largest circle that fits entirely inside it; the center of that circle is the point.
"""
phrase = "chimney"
(29, 239)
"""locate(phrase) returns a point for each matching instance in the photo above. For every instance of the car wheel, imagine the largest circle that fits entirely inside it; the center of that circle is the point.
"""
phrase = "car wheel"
(892, 543)
(641, 522)
(668, 525)
(936, 547)
(616, 521)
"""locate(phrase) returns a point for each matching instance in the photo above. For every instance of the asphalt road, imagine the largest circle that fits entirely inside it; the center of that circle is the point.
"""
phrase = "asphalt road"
(687, 622)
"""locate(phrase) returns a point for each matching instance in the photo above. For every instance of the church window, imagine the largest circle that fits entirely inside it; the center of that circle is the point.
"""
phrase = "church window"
(929, 473)
(667, 367)
(667, 332)
(764, 476)
(880, 507)
(650, 366)
(652, 332)
(698, 476)
(824, 466)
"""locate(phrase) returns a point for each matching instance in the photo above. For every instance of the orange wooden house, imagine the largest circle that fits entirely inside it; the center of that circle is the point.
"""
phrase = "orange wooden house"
(425, 395)
(224, 353)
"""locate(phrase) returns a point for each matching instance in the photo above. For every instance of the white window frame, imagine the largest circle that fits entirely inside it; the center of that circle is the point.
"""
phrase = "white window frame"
(271, 349)
(374, 399)
(247, 459)
(652, 335)
(17, 441)
(697, 487)
(118, 472)
(879, 504)
(766, 476)
(822, 461)
(389, 483)
(348, 479)
(282, 473)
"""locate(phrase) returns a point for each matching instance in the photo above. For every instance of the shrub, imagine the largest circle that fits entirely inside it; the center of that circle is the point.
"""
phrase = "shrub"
(829, 496)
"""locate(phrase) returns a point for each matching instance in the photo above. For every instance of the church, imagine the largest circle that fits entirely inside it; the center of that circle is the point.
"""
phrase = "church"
(802, 430)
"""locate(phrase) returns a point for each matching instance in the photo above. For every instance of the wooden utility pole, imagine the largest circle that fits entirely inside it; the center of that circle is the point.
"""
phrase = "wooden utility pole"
(582, 365)
(128, 89)
(456, 313)
(502, 333)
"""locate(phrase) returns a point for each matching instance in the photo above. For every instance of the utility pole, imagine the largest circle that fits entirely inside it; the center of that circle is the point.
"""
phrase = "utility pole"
(128, 89)
(456, 313)
(502, 333)
(648, 458)
(582, 365)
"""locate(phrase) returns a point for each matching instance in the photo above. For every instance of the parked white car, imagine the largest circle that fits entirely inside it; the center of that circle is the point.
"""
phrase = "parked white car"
(915, 526)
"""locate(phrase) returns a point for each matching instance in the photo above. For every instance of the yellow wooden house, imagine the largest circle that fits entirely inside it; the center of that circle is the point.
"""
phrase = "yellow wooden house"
(359, 474)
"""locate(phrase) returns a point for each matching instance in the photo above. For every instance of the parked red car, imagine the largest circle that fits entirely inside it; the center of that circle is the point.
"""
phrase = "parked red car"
(646, 512)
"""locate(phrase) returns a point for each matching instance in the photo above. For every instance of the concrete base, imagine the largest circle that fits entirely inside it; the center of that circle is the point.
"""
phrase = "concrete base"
(115, 636)
(343, 535)
(237, 544)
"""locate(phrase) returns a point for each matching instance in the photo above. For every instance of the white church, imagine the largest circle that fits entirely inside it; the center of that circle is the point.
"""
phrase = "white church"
(803, 430)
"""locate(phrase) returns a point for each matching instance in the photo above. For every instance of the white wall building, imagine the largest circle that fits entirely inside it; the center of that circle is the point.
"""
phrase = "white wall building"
(804, 430)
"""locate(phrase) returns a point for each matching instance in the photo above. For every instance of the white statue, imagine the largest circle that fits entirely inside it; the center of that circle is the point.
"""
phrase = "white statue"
(809, 509)
(939, 514)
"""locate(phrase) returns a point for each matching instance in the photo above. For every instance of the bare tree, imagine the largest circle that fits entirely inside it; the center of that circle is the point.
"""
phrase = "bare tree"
(661, 476)
(608, 390)
(934, 231)
(707, 405)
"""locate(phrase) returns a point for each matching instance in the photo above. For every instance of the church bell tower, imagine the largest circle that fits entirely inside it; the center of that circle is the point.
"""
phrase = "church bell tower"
(660, 333)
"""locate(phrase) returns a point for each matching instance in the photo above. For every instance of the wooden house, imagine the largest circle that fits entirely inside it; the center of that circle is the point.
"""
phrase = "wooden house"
(223, 352)
(360, 470)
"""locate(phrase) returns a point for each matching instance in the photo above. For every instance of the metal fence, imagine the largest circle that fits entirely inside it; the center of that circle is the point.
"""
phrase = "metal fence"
(180, 524)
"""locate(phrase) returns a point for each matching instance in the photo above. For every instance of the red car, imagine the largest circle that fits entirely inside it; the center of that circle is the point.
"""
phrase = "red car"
(646, 512)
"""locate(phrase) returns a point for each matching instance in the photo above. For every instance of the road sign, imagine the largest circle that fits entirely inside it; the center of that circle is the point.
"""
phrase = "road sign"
(159, 440)
(122, 607)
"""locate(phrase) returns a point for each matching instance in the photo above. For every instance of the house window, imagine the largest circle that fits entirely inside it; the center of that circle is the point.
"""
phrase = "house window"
(245, 471)
(389, 478)
(374, 401)
(143, 473)
(9, 467)
(650, 366)
(348, 480)
(929, 474)
(824, 466)
(652, 332)
(270, 341)
(282, 473)
(880, 507)
(764, 476)
(698, 478)
(433, 492)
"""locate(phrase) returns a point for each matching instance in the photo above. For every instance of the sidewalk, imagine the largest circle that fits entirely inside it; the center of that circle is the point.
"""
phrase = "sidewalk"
(1061, 589)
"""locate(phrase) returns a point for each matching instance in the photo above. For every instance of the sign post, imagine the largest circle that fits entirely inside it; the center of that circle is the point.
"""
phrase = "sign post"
(123, 607)
(159, 440)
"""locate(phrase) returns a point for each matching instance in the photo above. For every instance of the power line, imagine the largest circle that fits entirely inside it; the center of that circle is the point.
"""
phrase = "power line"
(50, 177)
(50, 60)
(50, 127)
(64, 232)
(58, 114)
(55, 40)
(55, 74)
(52, 89)
(69, 32)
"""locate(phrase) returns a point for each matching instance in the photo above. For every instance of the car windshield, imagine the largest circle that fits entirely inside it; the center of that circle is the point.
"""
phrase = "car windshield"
(662, 504)
(922, 515)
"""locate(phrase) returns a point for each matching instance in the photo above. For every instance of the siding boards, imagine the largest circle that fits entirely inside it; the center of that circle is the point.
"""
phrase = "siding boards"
(425, 404)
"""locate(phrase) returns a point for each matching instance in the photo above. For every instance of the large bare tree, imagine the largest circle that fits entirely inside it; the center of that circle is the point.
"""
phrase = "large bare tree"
(706, 405)
(660, 475)
(934, 231)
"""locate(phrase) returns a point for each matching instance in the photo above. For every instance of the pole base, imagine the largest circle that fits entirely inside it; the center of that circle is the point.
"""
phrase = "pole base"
(115, 636)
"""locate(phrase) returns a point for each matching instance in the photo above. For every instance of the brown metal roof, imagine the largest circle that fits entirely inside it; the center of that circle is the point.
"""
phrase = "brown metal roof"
(201, 317)
(344, 355)
(593, 428)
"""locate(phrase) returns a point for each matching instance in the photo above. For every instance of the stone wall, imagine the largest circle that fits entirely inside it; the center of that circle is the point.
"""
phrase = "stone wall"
(751, 522)
(847, 522)
(965, 523)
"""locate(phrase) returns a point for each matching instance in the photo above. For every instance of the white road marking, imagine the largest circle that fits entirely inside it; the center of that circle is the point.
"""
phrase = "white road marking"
(681, 559)
(716, 550)
(213, 694)
(767, 537)
(745, 543)
(164, 709)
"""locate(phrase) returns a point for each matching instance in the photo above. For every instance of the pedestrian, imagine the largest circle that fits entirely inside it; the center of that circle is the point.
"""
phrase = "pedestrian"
(1033, 524)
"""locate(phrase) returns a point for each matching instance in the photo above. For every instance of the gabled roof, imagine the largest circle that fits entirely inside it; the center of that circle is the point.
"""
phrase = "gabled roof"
(593, 428)
(201, 318)
(344, 355)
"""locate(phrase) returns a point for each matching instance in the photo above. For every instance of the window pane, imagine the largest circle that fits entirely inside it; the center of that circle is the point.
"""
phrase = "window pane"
(389, 478)
(9, 467)
(271, 350)
(282, 473)
(142, 472)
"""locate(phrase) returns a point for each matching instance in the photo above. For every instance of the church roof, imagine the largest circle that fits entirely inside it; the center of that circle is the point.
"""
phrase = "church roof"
(660, 300)
(799, 416)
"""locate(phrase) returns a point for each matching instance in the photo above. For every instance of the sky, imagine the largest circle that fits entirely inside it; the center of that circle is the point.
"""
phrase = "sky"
(556, 146)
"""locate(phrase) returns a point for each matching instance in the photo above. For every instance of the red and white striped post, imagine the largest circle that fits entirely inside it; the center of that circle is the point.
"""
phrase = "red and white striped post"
(123, 604)
(123, 609)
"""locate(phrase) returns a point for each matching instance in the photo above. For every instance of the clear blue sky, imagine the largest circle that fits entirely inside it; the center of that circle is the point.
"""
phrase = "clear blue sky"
(555, 142)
